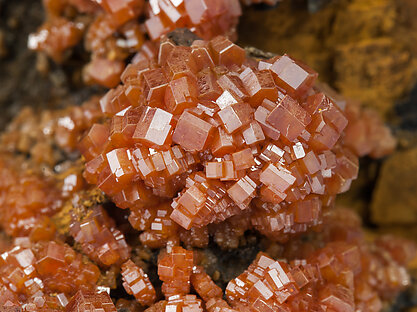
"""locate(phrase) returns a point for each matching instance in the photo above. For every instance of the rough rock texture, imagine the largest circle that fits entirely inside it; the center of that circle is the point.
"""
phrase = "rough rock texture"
(26, 78)
(361, 46)
(394, 197)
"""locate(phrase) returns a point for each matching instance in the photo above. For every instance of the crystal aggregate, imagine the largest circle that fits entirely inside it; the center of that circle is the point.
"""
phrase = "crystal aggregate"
(195, 144)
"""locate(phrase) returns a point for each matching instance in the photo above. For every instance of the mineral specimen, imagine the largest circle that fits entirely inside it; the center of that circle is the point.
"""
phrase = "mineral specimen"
(175, 269)
(207, 18)
(198, 143)
(99, 238)
(223, 134)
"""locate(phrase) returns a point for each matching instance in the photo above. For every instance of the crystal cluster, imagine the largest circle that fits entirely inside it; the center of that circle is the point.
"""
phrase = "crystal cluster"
(100, 239)
(207, 18)
(137, 283)
(204, 285)
(197, 143)
(90, 301)
(366, 134)
(40, 134)
(231, 134)
(340, 271)
(338, 277)
(112, 30)
(33, 272)
(26, 198)
(181, 303)
(174, 269)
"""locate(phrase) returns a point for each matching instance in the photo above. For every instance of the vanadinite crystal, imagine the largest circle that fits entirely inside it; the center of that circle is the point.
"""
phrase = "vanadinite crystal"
(137, 283)
(228, 134)
(202, 141)
(100, 239)
(45, 268)
(198, 146)
(174, 269)
(112, 29)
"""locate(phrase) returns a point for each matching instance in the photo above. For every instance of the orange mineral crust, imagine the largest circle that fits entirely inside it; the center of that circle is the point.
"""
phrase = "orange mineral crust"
(217, 134)
(27, 199)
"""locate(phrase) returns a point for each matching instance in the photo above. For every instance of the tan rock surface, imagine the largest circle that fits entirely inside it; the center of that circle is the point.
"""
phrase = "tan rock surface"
(364, 48)
(394, 199)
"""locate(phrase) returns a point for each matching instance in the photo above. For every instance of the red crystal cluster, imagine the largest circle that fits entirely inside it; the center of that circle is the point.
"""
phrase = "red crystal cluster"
(100, 239)
(204, 285)
(91, 301)
(26, 200)
(174, 269)
(229, 133)
(45, 275)
(346, 274)
(39, 134)
(340, 277)
(366, 133)
(198, 142)
(207, 18)
(112, 30)
(137, 283)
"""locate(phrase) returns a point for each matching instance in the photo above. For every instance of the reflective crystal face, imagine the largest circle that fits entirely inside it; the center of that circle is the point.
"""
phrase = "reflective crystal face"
(214, 130)
(153, 128)
(199, 144)
(136, 283)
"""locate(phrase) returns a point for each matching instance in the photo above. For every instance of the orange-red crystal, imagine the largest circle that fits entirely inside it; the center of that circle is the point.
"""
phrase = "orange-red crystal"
(222, 130)
(197, 142)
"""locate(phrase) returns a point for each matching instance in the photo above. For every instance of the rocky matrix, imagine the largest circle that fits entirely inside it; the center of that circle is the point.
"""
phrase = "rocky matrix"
(198, 145)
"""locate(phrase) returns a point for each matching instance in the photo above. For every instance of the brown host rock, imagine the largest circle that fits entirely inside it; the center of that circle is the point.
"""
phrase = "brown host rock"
(394, 200)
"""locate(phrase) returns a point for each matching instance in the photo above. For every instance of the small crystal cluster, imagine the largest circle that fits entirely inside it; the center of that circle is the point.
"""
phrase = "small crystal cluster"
(229, 133)
(100, 239)
(344, 274)
(32, 273)
(175, 269)
(40, 134)
(91, 301)
(366, 133)
(137, 283)
(340, 277)
(26, 199)
(207, 18)
(204, 285)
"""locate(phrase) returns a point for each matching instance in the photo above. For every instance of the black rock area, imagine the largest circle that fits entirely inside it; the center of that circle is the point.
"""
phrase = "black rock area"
(407, 112)
(183, 37)
(21, 81)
